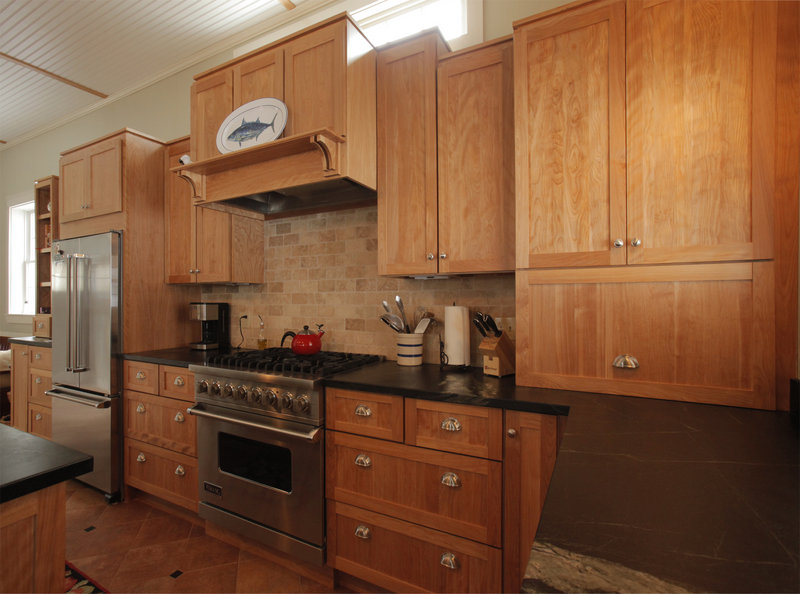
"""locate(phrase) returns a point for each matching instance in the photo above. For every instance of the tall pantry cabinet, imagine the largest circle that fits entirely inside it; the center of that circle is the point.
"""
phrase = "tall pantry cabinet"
(645, 199)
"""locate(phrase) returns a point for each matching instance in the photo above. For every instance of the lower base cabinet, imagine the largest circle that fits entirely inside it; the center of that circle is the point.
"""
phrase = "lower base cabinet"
(448, 500)
(163, 473)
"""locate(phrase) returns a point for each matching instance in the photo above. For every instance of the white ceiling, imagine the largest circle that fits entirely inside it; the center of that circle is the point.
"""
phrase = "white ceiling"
(112, 47)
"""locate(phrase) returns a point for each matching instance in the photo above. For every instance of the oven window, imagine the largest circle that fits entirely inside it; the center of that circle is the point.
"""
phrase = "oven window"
(256, 461)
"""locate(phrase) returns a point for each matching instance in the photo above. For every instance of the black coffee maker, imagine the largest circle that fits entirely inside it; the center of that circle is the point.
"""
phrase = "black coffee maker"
(215, 325)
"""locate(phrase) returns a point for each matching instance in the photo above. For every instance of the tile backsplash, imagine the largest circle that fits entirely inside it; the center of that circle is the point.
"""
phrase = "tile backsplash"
(322, 269)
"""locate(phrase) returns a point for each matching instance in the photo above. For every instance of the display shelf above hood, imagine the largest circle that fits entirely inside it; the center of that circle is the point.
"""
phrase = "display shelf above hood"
(297, 174)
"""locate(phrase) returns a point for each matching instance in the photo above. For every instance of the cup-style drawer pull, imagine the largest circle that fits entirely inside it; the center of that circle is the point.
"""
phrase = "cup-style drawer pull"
(140, 375)
(363, 461)
(362, 410)
(626, 362)
(140, 408)
(179, 418)
(451, 424)
(141, 458)
(450, 479)
(179, 471)
(449, 561)
(38, 416)
(179, 381)
(363, 532)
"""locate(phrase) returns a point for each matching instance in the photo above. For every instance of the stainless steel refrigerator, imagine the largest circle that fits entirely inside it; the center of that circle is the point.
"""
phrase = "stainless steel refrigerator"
(86, 310)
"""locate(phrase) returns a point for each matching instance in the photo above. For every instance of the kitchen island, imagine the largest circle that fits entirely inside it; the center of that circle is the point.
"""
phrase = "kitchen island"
(33, 472)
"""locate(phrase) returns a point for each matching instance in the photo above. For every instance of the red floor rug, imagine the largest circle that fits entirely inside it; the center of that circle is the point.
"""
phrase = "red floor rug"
(75, 581)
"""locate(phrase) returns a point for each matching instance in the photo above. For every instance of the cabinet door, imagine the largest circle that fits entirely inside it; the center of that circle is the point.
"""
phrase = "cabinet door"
(211, 103)
(19, 386)
(701, 104)
(315, 82)
(72, 169)
(476, 161)
(247, 250)
(213, 245)
(700, 333)
(407, 210)
(104, 182)
(257, 77)
(570, 138)
(180, 220)
(40, 421)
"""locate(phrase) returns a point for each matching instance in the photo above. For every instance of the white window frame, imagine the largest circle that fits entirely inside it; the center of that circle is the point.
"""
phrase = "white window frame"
(21, 261)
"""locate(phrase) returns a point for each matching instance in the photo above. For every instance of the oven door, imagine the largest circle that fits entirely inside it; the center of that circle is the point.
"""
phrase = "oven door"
(264, 470)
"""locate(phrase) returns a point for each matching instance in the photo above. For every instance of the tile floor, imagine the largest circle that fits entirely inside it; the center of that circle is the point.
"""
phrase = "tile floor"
(133, 547)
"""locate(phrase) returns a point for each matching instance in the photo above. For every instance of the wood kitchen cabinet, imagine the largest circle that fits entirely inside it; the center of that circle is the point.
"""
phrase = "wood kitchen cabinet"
(31, 372)
(423, 508)
(20, 355)
(46, 207)
(445, 159)
(91, 180)
(204, 245)
(160, 436)
(679, 97)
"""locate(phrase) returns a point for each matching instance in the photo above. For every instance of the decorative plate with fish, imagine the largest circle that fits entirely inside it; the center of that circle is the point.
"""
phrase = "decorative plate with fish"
(253, 123)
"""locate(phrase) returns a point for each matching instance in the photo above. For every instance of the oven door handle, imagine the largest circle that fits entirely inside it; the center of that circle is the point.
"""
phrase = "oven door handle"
(312, 436)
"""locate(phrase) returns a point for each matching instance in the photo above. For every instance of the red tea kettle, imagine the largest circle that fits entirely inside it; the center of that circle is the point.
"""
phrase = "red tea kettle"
(305, 342)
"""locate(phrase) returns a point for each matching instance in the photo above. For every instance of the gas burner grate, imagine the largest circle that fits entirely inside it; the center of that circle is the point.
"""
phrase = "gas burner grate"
(278, 360)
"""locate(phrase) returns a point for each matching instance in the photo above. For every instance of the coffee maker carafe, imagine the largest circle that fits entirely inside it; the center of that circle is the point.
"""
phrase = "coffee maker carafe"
(214, 325)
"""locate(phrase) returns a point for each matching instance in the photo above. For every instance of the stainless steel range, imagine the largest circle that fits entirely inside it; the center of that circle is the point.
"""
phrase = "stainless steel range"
(261, 444)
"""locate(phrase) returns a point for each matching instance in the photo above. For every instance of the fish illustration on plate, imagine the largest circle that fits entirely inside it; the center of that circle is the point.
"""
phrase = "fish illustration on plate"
(251, 130)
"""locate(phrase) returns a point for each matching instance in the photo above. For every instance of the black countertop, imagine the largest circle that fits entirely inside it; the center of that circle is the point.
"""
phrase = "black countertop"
(177, 357)
(702, 497)
(32, 341)
(29, 463)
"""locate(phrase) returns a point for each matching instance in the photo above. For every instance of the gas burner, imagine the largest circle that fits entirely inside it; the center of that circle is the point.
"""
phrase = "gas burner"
(277, 360)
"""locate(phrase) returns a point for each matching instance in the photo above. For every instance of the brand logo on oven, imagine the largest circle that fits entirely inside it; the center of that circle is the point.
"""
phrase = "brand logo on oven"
(212, 488)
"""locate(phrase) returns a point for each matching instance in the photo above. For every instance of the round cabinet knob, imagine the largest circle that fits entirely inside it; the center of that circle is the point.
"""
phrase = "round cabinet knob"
(179, 418)
(442, 256)
(512, 433)
(227, 391)
(257, 395)
(618, 243)
(179, 471)
(363, 532)
(215, 388)
(272, 398)
(38, 380)
(38, 416)
(449, 561)
(140, 408)
(179, 381)
(431, 256)
(141, 458)
(202, 386)
(302, 404)
(286, 400)
(140, 375)
(636, 242)
(38, 356)
(241, 392)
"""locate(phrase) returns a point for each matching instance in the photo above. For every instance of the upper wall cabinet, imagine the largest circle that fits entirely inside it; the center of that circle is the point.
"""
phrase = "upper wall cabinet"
(681, 93)
(91, 178)
(326, 77)
(445, 158)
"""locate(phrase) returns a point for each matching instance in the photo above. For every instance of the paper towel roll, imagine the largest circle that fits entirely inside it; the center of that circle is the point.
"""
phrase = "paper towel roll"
(456, 334)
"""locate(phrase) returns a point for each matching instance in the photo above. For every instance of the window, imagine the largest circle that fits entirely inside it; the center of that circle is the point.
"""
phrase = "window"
(387, 20)
(22, 259)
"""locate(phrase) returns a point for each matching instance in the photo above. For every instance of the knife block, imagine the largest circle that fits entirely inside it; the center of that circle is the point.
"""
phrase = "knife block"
(499, 357)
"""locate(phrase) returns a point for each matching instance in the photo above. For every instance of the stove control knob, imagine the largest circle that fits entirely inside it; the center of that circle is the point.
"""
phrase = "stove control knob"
(272, 398)
(287, 398)
(227, 391)
(215, 389)
(302, 404)
(202, 386)
(257, 396)
(241, 393)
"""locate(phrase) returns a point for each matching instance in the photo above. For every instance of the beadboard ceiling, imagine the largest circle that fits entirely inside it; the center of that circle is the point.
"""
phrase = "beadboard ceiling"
(62, 58)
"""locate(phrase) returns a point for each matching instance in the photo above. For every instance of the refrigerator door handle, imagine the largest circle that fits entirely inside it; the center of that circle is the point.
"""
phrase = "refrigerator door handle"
(69, 313)
(79, 397)
(76, 361)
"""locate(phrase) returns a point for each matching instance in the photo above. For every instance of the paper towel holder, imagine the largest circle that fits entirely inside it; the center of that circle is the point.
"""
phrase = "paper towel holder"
(443, 364)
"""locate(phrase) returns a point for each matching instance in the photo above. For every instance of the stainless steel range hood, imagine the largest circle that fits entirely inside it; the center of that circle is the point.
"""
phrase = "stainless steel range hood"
(294, 175)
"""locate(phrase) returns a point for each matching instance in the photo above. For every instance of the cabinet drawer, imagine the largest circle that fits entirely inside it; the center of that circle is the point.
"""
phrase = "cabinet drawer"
(405, 557)
(176, 382)
(163, 473)
(160, 421)
(40, 382)
(42, 324)
(142, 377)
(39, 421)
(373, 415)
(41, 358)
(458, 494)
(471, 430)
